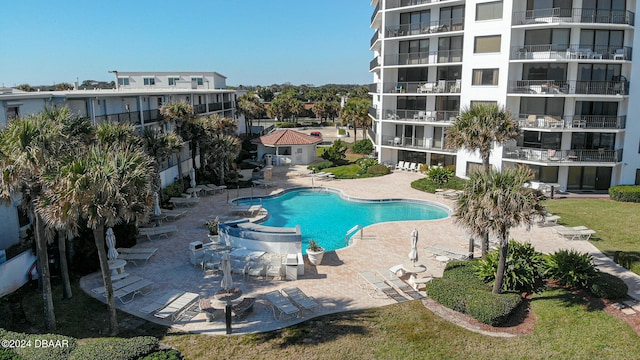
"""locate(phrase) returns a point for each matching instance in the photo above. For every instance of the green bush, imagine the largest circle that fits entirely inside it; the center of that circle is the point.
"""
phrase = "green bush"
(320, 166)
(173, 190)
(464, 272)
(116, 348)
(449, 293)
(336, 152)
(570, 267)
(428, 185)
(607, 286)
(342, 132)
(365, 163)
(6, 354)
(163, 355)
(625, 193)
(285, 125)
(492, 309)
(440, 175)
(378, 170)
(364, 146)
(36, 348)
(524, 268)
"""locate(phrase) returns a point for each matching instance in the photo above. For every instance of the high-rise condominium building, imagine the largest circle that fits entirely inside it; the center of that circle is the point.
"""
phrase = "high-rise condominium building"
(561, 67)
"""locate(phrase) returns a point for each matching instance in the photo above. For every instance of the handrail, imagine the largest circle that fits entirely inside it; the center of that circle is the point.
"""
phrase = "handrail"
(350, 232)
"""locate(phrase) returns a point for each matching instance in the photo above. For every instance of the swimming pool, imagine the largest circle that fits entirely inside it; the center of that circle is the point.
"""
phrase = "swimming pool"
(325, 215)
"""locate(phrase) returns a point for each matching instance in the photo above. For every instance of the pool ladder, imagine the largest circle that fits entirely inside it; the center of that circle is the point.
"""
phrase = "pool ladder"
(350, 232)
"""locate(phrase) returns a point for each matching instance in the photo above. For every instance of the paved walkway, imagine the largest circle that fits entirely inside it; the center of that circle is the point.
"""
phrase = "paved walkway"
(335, 283)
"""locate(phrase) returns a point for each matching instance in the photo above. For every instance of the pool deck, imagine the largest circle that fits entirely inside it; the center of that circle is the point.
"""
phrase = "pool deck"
(336, 283)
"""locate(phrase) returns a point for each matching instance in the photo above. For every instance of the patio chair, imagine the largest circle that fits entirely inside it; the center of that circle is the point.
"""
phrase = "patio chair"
(574, 233)
(377, 288)
(301, 299)
(154, 304)
(281, 306)
(426, 88)
(134, 258)
(173, 214)
(137, 287)
(157, 231)
(412, 167)
(442, 84)
(550, 219)
(209, 311)
(176, 308)
(243, 307)
(619, 55)
(400, 165)
(393, 280)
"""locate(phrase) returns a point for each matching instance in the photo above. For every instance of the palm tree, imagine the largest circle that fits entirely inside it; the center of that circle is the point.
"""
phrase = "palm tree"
(356, 110)
(160, 145)
(179, 113)
(251, 107)
(28, 147)
(477, 128)
(225, 148)
(494, 202)
(105, 185)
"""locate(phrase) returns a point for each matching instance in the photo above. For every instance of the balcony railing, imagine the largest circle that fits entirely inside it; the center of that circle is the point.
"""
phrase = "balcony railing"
(439, 26)
(200, 109)
(215, 106)
(533, 121)
(578, 15)
(373, 112)
(552, 155)
(549, 87)
(415, 143)
(151, 115)
(430, 116)
(570, 52)
(375, 12)
(132, 117)
(422, 87)
(392, 4)
(424, 57)
(374, 63)
(373, 88)
(374, 38)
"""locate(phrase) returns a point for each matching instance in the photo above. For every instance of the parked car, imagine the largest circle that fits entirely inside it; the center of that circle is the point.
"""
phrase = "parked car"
(317, 134)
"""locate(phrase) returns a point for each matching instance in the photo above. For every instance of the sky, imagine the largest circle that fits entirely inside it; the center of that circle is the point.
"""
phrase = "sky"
(251, 42)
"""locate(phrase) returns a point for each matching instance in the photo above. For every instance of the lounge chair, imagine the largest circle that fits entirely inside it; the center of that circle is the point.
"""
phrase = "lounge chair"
(301, 299)
(263, 183)
(137, 287)
(393, 280)
(136, 257)
(550, 219)
(208, 309)
(161, 302)
(157, 231)
(247, 210)
(180, 201)
(281, 306)
(400, 165)
(574, 233)
(173, 214)
(175, 308)
(439, 250)
(243, 307)
(217, 188)
(141, 250)
(117, 284)
(379, 289)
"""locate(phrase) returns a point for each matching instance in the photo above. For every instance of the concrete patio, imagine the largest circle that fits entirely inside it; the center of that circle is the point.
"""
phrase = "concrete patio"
(336, 283)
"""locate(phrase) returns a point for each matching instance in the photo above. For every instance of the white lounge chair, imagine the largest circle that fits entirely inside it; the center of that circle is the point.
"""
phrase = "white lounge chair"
(173, 214)
(157, 231)
(393, 280)
(400, 165)
(281, 306)
(574, 233)
(263, 183)
(378, 288)
(136, 287)
(175, 308)
(134, 257)
(180, 201)
(248, 210)
(550, 219)
(161, 302)
(301, 299)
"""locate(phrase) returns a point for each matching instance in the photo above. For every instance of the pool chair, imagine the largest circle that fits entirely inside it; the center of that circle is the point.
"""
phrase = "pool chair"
(301, 299)
(574, 233)
(377, 288)
(392, 279)
(550, 220)
(400, 165)
(281, 306)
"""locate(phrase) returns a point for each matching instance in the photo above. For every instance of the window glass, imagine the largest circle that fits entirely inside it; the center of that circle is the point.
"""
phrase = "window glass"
(489, 11)
(123, 81)
(485, 77)
(149, 81)
(487, 44)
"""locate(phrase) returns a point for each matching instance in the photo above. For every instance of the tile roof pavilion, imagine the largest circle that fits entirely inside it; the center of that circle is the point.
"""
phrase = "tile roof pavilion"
(287, 138)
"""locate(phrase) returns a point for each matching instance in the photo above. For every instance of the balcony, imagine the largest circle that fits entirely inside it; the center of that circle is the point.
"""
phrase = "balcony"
(375, 12)
(426, 116)
(132, 117)
(424, 57)
(374, 63)
(570, 52)
(373, 112)
(374, 38)
(579, 122)
(422, 87)
(563, 156)
(433, 27)
(415, 143)
(393, 4)
(573, 16)
(551, 87)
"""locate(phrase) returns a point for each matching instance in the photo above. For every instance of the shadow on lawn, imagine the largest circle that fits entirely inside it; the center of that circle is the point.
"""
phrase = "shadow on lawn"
(572, 297)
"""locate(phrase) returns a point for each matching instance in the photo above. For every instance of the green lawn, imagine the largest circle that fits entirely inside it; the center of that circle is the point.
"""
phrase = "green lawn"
(617, 224)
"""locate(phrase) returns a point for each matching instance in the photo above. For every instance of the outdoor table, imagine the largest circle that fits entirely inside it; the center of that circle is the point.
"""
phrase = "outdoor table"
(117, 266)
(227, 296)
(193, 192)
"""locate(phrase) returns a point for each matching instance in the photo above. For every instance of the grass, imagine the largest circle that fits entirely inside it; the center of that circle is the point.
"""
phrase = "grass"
(617, 224)
(351, 171)
(567, 327)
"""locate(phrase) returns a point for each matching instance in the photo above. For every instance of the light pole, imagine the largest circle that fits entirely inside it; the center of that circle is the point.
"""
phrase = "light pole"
(116, 73)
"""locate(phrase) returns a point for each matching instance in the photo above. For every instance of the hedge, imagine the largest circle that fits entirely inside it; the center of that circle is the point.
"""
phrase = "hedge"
(320, 165)
(490, 308)
(625, 193)
(607, 286)
(377, 170)
(116, 348)
(163, 355)
(35, 345)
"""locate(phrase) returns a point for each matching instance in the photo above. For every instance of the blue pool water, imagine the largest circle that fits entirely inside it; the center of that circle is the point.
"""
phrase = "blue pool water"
(323, 215)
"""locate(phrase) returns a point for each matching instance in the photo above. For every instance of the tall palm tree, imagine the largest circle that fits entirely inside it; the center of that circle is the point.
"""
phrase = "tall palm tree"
(494, 202)
(356, 110)
(28, 147)
(180, 113)
(251, 107)
(160, 145)
(224, 149)
(105, 185)
(478, 128)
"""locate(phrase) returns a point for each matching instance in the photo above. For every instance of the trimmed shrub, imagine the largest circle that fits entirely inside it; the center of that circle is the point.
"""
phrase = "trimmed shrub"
(492, 309)
(440, 175)
(320, 166)
(163, 355)
(625, 193)
(6, 354)
(464, 272)
(116, 348)
(449, 293)
(524, 268)
(336, 152)
(428, 185)
(365, 163)
(65, 345)
(173, 190)
(607, 286)
(570, 267)
(378, 170)
(363, 146)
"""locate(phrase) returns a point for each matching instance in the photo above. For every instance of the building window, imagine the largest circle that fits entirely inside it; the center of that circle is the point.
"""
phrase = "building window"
(489, 11)
(149, 81)
(487, 44)
(474, 167)
(173, 80)
(123, 81)
(483, 102)
(637, 177)
(485, 77)
(13, 112)
(197, 80)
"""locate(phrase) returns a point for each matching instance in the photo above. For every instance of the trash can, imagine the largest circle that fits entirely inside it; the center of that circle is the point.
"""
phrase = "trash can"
(268, 159)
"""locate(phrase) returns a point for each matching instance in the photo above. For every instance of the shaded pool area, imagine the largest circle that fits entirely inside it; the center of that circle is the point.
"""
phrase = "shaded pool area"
(326, 215)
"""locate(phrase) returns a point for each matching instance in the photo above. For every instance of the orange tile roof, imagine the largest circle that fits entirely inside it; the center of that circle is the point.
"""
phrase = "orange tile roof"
(287, 137)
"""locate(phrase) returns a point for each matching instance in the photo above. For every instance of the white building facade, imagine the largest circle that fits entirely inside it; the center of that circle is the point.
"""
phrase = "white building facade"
(136, 101)
(561, 67)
